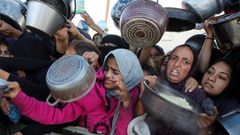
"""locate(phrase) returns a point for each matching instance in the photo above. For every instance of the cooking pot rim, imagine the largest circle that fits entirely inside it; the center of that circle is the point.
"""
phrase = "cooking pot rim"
(194, 106)
(226, 18)
(52, 7)
(21, 3)
(74, 98)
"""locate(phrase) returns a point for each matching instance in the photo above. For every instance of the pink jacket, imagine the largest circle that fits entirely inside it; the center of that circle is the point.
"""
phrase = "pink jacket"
(91, 109)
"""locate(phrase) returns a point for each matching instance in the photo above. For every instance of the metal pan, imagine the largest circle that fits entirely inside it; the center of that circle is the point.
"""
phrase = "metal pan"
(165, 110)
(180, 19)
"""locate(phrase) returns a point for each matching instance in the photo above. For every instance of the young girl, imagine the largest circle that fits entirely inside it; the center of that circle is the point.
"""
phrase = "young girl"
(106, 109)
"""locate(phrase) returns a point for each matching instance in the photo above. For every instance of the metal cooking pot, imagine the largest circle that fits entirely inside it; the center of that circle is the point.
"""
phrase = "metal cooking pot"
(45, 18)
(69, 79)
(204, 8)
(231, 122)
(180, 19)
(163, 109)
(71, 4)
(143, 22)
(227, 31)
(117, 10)
(13, 12)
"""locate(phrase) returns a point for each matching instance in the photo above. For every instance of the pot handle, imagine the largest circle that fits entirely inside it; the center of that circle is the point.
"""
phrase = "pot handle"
(49, 103)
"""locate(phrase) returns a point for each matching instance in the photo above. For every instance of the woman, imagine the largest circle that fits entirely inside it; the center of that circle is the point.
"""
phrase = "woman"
(112, 97)
(216, 82)
(151, 59)
(179, 67)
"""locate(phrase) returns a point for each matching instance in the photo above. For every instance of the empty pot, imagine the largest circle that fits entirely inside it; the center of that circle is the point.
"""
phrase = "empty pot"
(45, 18)
(180, 19)
(13, 12)
(227, 31)
(69, 79)
(204, 8)
(143, 22)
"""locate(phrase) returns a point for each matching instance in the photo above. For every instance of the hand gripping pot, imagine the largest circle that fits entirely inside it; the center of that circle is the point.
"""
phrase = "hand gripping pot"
(69, 79)
(143, 22)
(13, 12)
(46, 17)
(170, 106)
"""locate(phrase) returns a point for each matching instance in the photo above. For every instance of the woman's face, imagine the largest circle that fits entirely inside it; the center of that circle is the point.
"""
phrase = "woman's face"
(156, 56)
(111, 74)
(179, 64)
(4, 52)
(217, 78)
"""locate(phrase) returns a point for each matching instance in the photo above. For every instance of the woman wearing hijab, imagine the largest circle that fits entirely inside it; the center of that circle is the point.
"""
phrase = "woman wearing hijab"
(180, 66)
(106, 109)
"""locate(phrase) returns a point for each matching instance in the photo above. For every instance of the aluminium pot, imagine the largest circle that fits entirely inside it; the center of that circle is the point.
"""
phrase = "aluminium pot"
(204, 8)
(143, 23)
(14, 13)
(45, 18)
(165, 110)
(69, 79)
(180, 19)
(227, 31)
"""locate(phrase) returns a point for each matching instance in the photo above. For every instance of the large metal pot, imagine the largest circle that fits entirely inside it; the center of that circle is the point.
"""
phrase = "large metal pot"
(13, 12)
(69, 79)
(180, 19)
(143, 22)
(45, 17)
(227, 31)
(204, 8)
(163, 109)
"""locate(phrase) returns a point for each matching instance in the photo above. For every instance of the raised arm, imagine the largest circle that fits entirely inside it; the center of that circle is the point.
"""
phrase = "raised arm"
(206, 51)
(41, 111)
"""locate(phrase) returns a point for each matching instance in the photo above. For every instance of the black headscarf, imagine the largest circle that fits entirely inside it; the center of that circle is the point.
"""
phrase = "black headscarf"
(115, 43)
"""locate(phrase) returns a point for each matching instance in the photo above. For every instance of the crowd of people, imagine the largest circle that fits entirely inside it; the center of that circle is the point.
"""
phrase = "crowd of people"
(206, 76)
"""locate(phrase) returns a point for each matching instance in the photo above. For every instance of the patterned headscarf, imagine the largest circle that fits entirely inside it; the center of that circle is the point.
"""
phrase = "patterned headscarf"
(129, 66)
